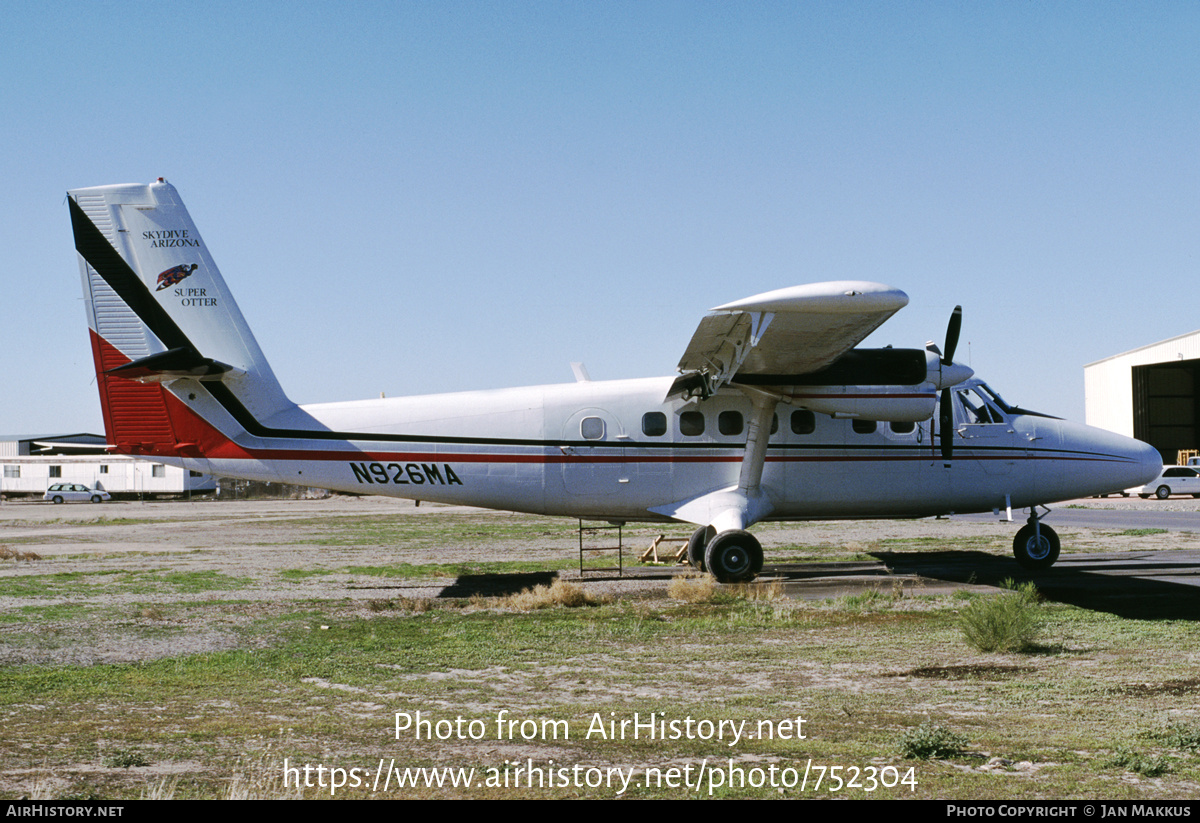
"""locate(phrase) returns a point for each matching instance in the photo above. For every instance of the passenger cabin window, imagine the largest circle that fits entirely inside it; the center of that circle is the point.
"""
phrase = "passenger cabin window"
(158, 470)
(729, 423)
(902, 428)
(803, 422)
(691, 424)
(654, 424)
(56, 471)
(592, 428)
(863, 426)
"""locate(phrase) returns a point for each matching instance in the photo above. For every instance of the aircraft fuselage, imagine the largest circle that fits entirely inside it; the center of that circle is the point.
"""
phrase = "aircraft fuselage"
(614, 450)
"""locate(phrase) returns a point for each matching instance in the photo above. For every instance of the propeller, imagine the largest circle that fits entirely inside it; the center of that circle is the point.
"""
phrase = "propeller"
(946, 421)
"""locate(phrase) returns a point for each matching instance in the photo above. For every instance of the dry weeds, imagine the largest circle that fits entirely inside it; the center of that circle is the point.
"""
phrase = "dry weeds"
(9, 553)
(692, 587)
(558, 593)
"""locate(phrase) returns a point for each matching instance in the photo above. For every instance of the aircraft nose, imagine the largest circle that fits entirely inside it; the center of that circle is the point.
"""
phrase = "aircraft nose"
(1116, 462)
(1144, 463)
(1149, 462)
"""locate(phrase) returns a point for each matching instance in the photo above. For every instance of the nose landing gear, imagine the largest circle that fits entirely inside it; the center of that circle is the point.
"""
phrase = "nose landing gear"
(1036, 546)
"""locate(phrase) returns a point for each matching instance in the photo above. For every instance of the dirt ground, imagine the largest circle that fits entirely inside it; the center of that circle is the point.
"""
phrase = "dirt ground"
(285, 551)
(143, 581)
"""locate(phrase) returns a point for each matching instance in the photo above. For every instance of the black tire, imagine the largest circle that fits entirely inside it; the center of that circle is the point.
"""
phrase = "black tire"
(1033, 553)
(1162, 492)
(58, 498)
(734, 556)
(696, 546)
(1144, 496)
(97, 498)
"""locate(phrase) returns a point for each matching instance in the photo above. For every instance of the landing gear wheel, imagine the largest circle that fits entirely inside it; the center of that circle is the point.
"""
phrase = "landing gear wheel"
(1034, 553)
(1162, 492)
(696, 545)
(734, 556)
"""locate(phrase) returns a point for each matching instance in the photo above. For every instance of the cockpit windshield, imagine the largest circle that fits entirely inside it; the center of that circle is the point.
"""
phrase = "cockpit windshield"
(986, 391)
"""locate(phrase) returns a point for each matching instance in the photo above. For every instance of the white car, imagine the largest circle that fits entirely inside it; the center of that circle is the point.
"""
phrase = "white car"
(66, 492)
(1173, 480)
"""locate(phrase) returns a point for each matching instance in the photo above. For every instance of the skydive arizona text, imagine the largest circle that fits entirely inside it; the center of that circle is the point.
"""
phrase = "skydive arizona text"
(169, 238)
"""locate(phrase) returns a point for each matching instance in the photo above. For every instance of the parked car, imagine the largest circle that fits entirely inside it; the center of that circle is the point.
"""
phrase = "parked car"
(1173, 480)
(69, 492)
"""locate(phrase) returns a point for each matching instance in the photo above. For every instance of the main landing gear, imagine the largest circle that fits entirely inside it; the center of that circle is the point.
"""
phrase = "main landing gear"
(733, 556)
(1036, 545)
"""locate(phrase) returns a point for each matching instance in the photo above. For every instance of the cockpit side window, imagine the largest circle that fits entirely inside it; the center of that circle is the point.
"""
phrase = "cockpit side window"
(976, 408)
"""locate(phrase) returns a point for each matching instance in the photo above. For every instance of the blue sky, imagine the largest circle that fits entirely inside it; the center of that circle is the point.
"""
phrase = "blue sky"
(424, 197)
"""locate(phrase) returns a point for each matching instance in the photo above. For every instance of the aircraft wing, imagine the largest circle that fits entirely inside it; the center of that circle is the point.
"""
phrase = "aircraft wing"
(789, 331)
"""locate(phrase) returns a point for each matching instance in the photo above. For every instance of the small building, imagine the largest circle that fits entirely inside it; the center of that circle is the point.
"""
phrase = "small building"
(30, 463)
(1149, 393)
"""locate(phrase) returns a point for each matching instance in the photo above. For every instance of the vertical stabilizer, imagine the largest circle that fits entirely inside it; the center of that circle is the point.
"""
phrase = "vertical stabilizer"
(160, 311)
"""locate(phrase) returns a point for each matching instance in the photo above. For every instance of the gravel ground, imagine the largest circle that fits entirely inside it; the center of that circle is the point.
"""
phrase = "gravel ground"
(132, 559)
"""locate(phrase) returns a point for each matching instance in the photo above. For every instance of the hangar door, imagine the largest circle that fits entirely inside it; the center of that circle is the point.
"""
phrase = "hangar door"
(1165, 408)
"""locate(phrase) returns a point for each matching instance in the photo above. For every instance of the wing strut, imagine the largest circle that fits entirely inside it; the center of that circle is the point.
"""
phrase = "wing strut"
(741, 506)
(758, 433)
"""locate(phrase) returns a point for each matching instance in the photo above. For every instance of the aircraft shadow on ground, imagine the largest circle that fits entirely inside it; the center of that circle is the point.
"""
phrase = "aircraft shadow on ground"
(1118, 585)
(496, 585)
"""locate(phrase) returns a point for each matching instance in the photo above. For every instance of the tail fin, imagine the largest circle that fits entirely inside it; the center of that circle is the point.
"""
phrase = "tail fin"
(159, 311)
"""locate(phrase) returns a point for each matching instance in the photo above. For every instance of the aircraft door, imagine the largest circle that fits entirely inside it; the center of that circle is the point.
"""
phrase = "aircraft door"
(593, 454)
(984, 434)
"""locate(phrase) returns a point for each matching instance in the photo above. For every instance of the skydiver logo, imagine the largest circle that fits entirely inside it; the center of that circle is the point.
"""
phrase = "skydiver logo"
(174, 275)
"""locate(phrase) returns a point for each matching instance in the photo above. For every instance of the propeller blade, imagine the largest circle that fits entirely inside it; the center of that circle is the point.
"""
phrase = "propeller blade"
(952, 335)
(946, 424)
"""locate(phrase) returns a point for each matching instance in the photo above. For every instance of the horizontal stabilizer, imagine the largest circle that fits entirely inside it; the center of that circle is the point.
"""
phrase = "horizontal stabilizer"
(180, 362)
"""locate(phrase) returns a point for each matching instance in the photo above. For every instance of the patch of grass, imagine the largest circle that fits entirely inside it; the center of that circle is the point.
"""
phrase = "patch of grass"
(770, 592)
(871, 599)
(434, 570)
(9, 553)
(162, 789)
(1003, 623)
(1181, 736)
(117, 581)
(1139, 762)
(416, 605)
(126, 759)
(931, 742)
(558, 593)
(1140, 532)
(692, 587)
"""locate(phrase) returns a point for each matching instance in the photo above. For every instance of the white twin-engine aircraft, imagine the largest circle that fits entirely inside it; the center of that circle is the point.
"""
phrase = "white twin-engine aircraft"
(775, 414)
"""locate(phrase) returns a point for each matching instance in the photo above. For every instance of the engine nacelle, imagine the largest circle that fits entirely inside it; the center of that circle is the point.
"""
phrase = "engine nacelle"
(894, 385)
(897, 404)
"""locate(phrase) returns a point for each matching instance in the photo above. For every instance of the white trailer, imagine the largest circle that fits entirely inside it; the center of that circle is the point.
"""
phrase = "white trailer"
(119, 476)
